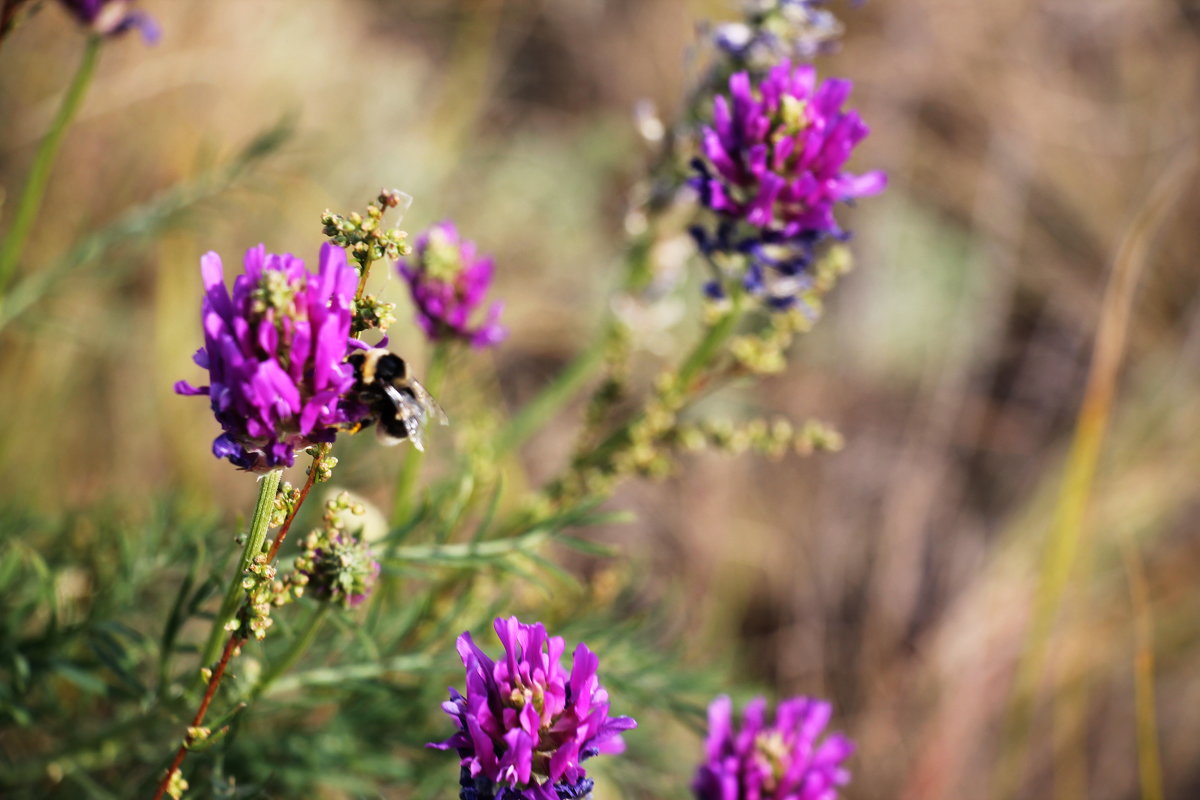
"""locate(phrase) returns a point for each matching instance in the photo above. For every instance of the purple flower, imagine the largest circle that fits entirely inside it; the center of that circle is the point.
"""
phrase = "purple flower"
(448, 281)
(774, 153)
(525, 723)
(782, 760)
(112, 17)
(771, 169)
(275, 355)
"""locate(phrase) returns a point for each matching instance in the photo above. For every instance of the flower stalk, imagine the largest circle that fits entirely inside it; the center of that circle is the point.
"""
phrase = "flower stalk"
(30, 201)
(231, 647)
(268, 485)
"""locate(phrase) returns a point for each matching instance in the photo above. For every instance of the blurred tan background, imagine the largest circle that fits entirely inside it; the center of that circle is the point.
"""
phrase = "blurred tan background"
(895, 577)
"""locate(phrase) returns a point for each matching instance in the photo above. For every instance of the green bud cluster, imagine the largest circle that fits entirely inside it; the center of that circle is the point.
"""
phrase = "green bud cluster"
(613, 389)
(640, 452)
(774, 439)
(264, 592)
(334, 561)
(286, 498)
(198, 734)
(371, 312)
(833, 264)
(644, 455)
(765, 352)
(276, 292)
(323, 463)
(364, 237)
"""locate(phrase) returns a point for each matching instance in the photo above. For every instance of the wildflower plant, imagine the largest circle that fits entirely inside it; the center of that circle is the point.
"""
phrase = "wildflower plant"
(748, 180)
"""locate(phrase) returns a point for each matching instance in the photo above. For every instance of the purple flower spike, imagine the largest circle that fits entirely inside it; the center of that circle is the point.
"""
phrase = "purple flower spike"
(782, 760)
(771, 170)
(113, 17)
(275, 354)
(526, 724)
(774, 153)
(448, 281)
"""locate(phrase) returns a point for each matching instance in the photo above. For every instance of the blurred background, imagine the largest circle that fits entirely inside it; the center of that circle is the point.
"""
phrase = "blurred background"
(1023, 141)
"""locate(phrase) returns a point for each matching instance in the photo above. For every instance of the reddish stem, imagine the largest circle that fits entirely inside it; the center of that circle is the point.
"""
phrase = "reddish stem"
(287, 523)
(234, 641)
(213, 682)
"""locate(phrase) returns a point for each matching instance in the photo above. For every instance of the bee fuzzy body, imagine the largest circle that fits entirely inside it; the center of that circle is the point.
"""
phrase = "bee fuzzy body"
(399, 405)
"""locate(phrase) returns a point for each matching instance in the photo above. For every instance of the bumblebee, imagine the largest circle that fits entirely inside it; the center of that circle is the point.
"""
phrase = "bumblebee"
(399, 405)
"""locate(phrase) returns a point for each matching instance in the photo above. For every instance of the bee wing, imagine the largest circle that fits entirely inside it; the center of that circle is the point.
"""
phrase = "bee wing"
(410, 412)
(412, 424)
(427, 402)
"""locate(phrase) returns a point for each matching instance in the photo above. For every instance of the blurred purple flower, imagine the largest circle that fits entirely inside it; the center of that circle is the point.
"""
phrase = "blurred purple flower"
(771, 169)
(774, 153)
(772, 761)
(113, 17)
(448, 281)
(774, 30)
(526, 724)
(275, 355)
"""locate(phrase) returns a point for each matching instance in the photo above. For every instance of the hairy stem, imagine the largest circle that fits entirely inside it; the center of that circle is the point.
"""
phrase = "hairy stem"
(30, 201)
(267, 487)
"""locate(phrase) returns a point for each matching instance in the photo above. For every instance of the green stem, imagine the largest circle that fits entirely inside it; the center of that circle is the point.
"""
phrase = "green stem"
(30, 201)
(300, 643)
(267, 487)
(554, 396)
(559, 392)
(706, 348)
(700, 357)
(406, 481)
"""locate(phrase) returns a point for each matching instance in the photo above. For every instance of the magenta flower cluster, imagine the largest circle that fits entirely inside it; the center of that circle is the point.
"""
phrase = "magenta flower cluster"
(774, 153)
(782, 760)
(448, 280)
(275, 351)
(526, 724)
(112, 17)
(771, 169)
